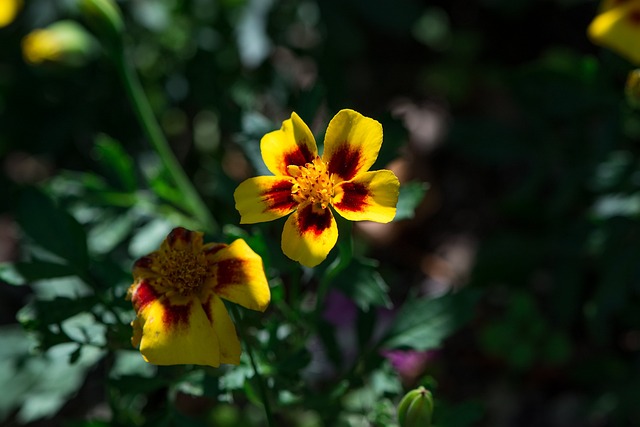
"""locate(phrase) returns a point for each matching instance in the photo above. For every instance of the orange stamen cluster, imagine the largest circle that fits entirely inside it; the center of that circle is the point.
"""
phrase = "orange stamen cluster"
(313, 184)
(183, 271)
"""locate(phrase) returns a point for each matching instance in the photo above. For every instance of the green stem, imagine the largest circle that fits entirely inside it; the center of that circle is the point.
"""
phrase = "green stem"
(147, 120)
(261, 386)
(345, 255)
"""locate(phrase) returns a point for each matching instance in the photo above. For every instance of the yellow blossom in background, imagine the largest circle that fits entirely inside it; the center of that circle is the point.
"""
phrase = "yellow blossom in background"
(306, 185)
(65, 42)
(177, 295)
(8, 11)
(617, 27)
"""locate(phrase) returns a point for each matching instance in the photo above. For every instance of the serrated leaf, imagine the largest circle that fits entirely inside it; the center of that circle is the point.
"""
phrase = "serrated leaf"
(411, 194)
(423, 323)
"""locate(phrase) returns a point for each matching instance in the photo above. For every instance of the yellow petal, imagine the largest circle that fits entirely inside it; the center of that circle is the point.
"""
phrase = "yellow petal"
(264, 198)
(618, 29)
(238, 276)
(371, 196)
(174, 334)
(293, 144)
(225, 330)
(309, 234)
(351, 144)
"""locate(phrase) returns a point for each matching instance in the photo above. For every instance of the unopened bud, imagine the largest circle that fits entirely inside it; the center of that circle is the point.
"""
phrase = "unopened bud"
(415, 408)
(105, 19)
(64, 42)
(632, 88)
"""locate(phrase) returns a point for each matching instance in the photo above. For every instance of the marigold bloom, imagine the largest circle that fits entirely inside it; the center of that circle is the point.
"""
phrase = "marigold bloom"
(617, 27)
(177, 293)
(8, 11)
(306, 185)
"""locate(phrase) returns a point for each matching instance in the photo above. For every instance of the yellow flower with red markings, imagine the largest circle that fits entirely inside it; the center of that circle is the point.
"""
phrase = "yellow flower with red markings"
(617, 27)
(177, 295)
(307, 186)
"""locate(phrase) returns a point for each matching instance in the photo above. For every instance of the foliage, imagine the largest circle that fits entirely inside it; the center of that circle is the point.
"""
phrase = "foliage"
(508, 281)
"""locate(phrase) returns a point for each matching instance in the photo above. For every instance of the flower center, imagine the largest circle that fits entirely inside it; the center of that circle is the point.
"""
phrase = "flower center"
(313, 184)
(184, 271)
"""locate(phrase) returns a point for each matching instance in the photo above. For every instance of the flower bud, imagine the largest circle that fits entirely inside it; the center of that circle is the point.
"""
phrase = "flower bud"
(632, 88)
(415, 408)
(64, 42)
(105, 19)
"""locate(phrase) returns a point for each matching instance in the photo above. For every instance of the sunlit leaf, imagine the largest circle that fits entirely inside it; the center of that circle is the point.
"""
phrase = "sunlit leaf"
(411, 194)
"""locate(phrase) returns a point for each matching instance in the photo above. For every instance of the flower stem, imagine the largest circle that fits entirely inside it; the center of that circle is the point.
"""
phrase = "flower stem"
(261, 385)
(147, 120)
(345, 255)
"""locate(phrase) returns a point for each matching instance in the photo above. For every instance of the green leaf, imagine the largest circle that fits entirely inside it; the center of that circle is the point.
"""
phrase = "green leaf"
(423, 323)
(116, 162)
(411, 194)
(363, 283)
(20, 273)
(52, 228)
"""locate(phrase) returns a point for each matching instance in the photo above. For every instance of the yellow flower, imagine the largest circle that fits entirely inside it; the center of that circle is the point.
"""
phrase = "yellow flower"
(177, 293)
(306, 185)
(8, 11)
(65, 42)
(617, 27)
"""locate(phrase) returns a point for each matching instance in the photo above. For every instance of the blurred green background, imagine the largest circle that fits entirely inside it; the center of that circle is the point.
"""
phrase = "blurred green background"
(515, 120)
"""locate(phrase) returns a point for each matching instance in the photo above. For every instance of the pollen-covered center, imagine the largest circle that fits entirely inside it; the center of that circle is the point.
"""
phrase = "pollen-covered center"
(313, 184)
(184, 271)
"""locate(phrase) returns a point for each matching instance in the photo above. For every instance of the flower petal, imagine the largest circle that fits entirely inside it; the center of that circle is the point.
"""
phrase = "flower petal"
(371, 196)
(174, 331)
(182, 239)
(309, 235)
(238, 276)
(230, 349)
(264, 198)
(293, 144)
(351, 144)
(618, 28)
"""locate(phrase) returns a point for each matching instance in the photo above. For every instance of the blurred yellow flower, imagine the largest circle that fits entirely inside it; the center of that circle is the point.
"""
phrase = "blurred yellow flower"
(64, 42)
(306, 184)
(617, 27)
(8, 11)
(177, 295)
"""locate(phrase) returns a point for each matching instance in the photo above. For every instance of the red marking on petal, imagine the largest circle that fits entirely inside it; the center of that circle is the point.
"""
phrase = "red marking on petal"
(344, 162)
(179, 233)
(143, 295)
(354, 197)
(176, 314)
(214, 249)
(229, 271)
(145, 263)
(634, 17)
(206, 306)
(299, 156)
(310, 221)
(279, 197)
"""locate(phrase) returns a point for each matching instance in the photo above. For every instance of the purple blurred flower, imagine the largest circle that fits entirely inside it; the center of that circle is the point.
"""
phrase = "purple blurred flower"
(409, 364)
